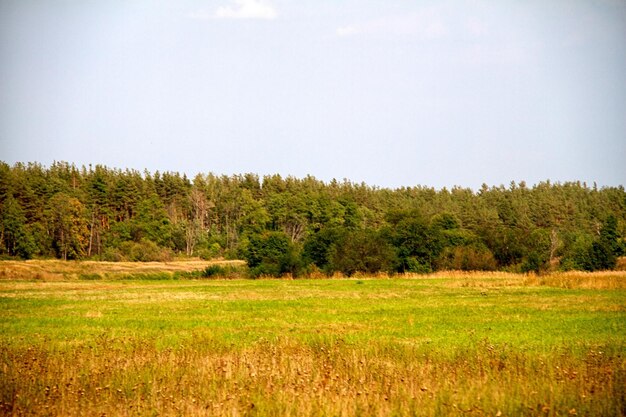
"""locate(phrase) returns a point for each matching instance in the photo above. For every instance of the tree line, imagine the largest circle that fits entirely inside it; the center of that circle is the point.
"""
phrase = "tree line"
(300, 225)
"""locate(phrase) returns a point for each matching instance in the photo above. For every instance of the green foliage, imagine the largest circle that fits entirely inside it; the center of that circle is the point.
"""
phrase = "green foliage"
(152, 222)
(223, 271)
(273, 254)
(596, 254)
(577, 255)
(318, 247)
(67, 222)
(538, 252)
(362, 251)
(417, 244)
(16, 238)
(606, 248)
(103, 213)
(211, 252)
(143, 251)
(467, 258)
(213, 271)
(445, 221)
(533, 263)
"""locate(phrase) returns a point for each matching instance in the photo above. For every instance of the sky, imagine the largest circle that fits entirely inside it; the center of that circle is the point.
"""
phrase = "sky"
(388, 92)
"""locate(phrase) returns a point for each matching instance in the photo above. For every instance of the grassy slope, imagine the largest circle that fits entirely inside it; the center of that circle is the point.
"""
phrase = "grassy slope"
(56, 270)
(462, 345)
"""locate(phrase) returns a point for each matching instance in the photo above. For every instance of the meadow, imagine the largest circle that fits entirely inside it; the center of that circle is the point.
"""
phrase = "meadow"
(465, 344)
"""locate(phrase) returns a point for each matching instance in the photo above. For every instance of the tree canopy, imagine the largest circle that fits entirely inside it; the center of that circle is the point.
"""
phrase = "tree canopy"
(294, 225)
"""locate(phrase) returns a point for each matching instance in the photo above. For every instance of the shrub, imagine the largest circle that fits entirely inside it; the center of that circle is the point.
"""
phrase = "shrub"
(211, 252)
(467, 258)
(362, 251)
(273, 254)
(145, 251)
(417, 265)
(113, 255)
(223, 271)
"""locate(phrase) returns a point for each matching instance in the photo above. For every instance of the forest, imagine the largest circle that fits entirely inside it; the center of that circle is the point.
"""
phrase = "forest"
(299, 226)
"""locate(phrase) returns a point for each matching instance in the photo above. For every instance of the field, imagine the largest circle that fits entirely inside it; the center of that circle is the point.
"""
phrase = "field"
(447, 344)
(54, 270)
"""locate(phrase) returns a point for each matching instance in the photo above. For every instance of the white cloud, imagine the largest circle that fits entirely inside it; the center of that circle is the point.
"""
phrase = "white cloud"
(247, 9)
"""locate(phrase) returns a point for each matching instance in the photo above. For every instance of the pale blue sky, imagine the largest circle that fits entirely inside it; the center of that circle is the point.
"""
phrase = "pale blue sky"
(393, 93)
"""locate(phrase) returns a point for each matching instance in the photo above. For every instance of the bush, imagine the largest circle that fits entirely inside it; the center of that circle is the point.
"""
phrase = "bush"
(211, 252)
(146, 251)
(577, 254)
(592, 254)
(417, 266)
(467, 258)
(112, 255)
(318, 247)
(214, 271)
(273, 254)
(362, 251)
(533, 263)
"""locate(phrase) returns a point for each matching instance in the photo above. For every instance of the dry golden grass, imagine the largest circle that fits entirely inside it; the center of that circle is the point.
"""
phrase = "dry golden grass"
(57, 270)
(604, 280)
(600, 280)
(284, 378)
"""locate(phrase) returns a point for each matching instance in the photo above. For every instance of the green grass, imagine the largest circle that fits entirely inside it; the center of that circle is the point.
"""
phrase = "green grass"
(409, 311)
(320, 347)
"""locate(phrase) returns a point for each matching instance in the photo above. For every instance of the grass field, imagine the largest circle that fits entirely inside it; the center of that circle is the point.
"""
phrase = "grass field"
(447, 344)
